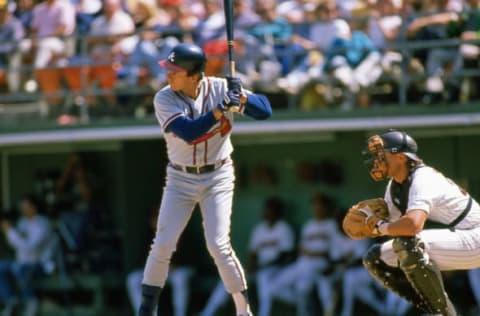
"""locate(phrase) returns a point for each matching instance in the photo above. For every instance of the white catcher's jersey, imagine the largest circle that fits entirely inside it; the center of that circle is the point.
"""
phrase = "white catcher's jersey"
(268, 242)
(439, 196)
(213, 146)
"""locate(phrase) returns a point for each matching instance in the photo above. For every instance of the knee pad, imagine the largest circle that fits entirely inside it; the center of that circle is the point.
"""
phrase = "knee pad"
(422, 274)
(410, 251)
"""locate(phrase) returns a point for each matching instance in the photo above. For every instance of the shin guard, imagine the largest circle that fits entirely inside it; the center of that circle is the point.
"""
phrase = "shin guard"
(391, 277)
(423, 275)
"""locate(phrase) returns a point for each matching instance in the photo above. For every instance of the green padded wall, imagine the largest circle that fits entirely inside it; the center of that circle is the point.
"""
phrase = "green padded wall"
(133, 173)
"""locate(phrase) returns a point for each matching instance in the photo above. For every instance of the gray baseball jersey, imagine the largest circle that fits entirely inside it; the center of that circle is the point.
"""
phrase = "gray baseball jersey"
(211, 147)
(444, 202)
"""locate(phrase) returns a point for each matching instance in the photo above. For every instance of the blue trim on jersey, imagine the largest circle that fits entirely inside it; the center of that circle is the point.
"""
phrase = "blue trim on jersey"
(258, 107)
(188, 129)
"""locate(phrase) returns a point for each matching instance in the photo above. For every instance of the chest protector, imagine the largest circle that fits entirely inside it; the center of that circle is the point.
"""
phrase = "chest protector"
(399, 191)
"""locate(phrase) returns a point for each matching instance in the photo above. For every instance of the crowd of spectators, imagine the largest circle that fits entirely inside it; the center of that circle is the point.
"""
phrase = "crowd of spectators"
(97, 54)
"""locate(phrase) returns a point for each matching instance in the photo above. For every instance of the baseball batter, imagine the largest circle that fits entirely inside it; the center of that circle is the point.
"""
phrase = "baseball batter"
(434, 225)
(196, 114)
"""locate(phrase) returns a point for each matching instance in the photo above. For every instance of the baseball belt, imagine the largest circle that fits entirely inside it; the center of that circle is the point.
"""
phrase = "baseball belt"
(200, 169)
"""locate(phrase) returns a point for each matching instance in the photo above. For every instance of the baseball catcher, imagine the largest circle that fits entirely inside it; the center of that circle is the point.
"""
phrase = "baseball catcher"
(430, 223)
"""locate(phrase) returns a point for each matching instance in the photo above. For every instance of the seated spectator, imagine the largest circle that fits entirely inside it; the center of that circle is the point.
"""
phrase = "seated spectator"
(108, 45)
(384, 24)
(151, 47)
(24, 12)
(347, 8)
(180, 20)
(33, 242)
(384, 29)
(326, 25)
(85, 13)
(274, 41)
(243, 16)
(212, 25)
(328, 21)
(108, 33)
(294, 10)
(11, 32)
(468, 56)
(354, 62)
(53, 20)
(439, 23)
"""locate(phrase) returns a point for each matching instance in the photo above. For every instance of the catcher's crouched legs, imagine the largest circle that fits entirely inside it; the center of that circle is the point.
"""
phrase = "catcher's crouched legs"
(392, 278)
(422, 274)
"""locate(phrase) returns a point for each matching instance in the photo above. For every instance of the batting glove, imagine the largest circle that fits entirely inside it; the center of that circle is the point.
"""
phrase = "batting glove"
(231, 99)
(234, 83)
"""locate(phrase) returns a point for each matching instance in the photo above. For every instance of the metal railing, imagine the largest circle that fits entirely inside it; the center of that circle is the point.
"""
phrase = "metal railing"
(11, 101)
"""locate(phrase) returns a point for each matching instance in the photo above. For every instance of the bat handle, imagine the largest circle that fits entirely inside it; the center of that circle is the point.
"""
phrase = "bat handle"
(232, 68)
(232, 74)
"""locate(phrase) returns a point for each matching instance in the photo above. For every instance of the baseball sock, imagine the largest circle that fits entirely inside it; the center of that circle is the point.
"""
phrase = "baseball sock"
(150, 296)
(241, 303)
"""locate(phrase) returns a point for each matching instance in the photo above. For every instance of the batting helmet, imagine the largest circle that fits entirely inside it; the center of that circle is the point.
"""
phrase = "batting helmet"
(393, 142)
(185, 57)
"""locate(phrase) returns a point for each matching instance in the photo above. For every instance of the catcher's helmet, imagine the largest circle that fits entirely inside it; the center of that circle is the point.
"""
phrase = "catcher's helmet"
(185, 57)
(393, 142)
(400, 142)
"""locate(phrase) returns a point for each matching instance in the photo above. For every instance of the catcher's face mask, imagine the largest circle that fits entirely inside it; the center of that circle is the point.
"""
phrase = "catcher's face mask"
(375, 158)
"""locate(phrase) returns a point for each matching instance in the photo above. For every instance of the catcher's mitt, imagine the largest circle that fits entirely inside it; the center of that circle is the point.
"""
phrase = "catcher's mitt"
(361, 218)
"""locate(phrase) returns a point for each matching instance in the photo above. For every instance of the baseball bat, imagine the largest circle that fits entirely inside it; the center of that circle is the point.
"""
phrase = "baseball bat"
(228, 8)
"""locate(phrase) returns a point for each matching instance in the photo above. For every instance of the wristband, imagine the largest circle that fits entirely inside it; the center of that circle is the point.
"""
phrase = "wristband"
(381, 227)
